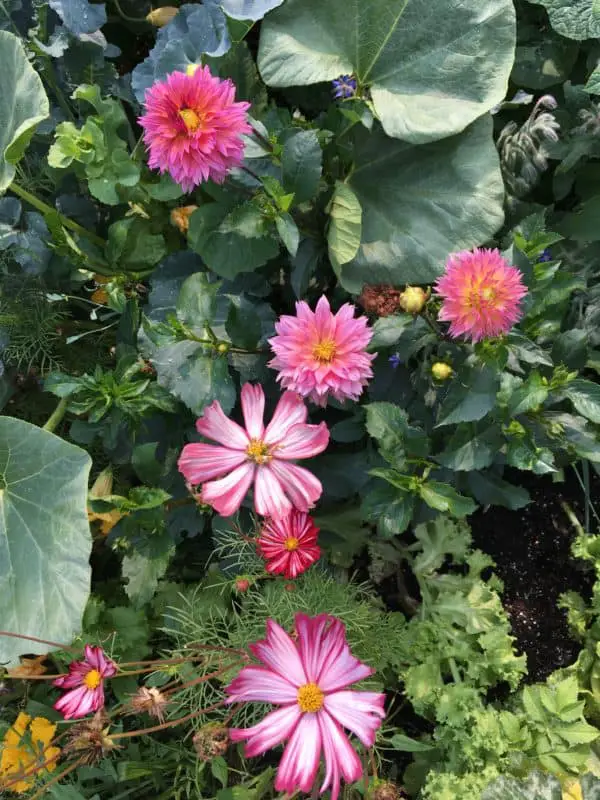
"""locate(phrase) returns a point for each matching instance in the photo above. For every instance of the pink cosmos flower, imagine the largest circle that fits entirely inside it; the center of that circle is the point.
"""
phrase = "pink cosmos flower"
(256, 455)
(289, 544)
(319, 353)
(85, 682)
(481, 294)
(308, 678)
(193, 128)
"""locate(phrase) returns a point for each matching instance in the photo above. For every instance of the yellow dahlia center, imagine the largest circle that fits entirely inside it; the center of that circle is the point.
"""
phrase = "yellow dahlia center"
(191, 119)
(258, 451)
(310, 698)
(93, 679)
(324, 351)
(291, 543)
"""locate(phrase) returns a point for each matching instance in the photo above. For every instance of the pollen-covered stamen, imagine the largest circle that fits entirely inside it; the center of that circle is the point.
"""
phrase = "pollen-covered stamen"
(324, 351)
(291, 543)
(93, 679)
(191, 119)
(258, 451)
(310, 698)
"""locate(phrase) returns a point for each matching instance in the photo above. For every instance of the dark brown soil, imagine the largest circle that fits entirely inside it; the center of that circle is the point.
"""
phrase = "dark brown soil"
(532, 551)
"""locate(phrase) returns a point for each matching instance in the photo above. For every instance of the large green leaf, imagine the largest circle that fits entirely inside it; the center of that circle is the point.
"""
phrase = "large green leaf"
(576, 19)
(45, 539)
(421, 203)
(432, 66)
(23, 105)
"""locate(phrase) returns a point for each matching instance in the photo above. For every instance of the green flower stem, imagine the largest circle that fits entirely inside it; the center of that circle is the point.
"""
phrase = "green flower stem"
(169, 724)
(56, 417)
(433, 325)
(35, 201)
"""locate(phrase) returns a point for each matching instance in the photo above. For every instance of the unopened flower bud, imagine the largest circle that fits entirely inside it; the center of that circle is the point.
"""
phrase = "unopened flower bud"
(290, 587)
(211, 741)
(441, 371)
(222, 348)
(191, 69)
(242, 585)
(180, 217)
(162, 16)
(413, 299)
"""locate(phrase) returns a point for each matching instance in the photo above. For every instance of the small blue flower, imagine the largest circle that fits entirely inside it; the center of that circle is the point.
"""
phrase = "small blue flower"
(395, 360)
(344, 87)
(545, 255)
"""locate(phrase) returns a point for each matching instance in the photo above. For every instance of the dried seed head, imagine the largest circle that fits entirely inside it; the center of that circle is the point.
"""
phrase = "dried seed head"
(149, 701)
(89, 740)
(384, 790)
(211, 741)
(161, 16)
(180, 217)
(381, 300)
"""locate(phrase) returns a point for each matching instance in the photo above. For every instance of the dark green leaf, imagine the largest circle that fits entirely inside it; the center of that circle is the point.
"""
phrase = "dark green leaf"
(387, 424)
(471, 396)
(288, 230)
(197, 300)
(488, 489)
(468, 450)
(243, 324)
(585, 396)
(301, 165)
(390, 508)
(387, 330)
(529, 395)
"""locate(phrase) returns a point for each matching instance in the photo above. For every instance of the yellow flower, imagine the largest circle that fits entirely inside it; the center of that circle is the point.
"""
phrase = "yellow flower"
(103, 488)
(23, 750)
(180, 217)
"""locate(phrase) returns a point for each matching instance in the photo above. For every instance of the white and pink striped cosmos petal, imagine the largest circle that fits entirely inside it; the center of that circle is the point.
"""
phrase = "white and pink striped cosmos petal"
(226, 495)
(274, 729)
(201, 462)
(300, 761)
(262, 685)
(214, 424)
(280, 654)
(290, 411)
(340, 756)
(359, 712)
(85, 683)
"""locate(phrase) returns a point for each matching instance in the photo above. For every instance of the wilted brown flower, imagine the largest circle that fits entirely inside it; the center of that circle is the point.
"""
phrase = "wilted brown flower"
(89, 740)
(384, 790)
(149, 701)
(29, 667)
(161, 16)
(211, 741)
(180, 217)
(381, 300)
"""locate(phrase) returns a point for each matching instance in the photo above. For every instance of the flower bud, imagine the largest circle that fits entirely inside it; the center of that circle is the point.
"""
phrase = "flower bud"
(211, 741)
(222, 348)
(242, 585)
(180, 217)
(191, 68)
(162, 16)
(413, 299)
(441, 371)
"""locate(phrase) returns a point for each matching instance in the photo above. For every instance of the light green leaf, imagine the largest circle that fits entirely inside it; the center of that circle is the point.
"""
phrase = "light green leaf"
(387, 424)
(538, 786)
(387, 330)
(432, 68)
(575, 19)
(585, 396)
(443, 497)
(301, 165)
(45, 540)
(407, 745)
(23, 105)
(144, 568)
(421, 203)
(529, 395)
(345, 225)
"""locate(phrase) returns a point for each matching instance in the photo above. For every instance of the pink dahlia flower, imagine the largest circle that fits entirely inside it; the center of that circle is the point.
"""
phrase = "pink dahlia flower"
(309, 679)
(319, 353)
(256, 455)
(85, 682)
(289, 544)
(193, 128)
(481, 294)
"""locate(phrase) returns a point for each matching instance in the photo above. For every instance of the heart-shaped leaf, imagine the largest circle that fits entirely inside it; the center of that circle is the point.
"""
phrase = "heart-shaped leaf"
(79, 16)
(23, 105)
(421, 203)
(431, 66)
(45, 540)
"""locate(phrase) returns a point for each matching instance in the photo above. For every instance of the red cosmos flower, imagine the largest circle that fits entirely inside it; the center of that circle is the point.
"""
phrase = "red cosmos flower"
(85, 682)
(289, 544)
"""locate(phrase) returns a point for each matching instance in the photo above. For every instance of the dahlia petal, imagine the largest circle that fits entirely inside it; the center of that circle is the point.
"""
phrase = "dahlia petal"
(215, 425)
(279, 653)
(304, 441)
(300, 761)
(226, 494)
(201, 462)
(275, 728)
(359, 712)
(300, 485)
(340, 756)
(290, 411)
(253, 409)
(270, 499)
(259, 684)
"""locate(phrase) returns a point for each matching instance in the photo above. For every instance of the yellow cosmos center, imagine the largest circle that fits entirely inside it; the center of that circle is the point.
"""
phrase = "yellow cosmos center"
(291, 543)
(191, 120)
(93, 679)
(324, 351)
(310, 698)
(258, 451)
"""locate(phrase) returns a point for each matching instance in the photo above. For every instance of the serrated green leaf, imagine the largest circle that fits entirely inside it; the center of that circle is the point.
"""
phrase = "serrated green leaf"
(585, 396)
(471, 396)
(444, 497)
(529, 395)
(197, 300)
